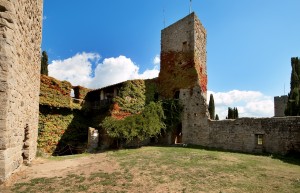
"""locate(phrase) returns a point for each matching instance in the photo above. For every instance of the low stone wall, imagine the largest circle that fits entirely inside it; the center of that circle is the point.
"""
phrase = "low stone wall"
(251, 135)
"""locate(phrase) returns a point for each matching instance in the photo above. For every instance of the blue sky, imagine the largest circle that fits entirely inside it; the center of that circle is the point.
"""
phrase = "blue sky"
(249, 45)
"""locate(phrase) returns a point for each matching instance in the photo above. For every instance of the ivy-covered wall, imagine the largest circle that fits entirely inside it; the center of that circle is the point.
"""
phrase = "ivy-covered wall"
(80, 92)
(61, 129)
(63, 122)
(138, 114)
(55, 93)
(134, 114)
(133, 96)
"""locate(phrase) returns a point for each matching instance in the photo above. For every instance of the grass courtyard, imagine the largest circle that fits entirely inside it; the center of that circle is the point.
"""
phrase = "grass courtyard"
(161, 169)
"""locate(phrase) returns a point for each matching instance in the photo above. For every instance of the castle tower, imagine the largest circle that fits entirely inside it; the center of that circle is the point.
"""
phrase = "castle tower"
(183, 57)
(183, 72)
(280, 103)
(20, 43)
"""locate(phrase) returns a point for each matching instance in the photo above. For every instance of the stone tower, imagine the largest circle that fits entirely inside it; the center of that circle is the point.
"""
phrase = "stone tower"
(280, 103)
(20, 45)
(183, 56)
(183, 72)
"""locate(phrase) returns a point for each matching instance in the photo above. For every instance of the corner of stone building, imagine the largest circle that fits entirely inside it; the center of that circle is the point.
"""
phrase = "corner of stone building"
(195, 115)
(20, 40)
(183, 71)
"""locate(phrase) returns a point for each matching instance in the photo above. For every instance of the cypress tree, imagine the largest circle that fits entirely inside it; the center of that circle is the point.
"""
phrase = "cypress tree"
(232, 113)
(217, 117)
(44, 63)
(293, 104)
(211, 106)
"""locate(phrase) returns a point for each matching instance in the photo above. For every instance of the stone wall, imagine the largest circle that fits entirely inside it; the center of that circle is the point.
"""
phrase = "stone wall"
(279, 135)
(195, 115)
(183, 70)
(280, 103)
(20, 42)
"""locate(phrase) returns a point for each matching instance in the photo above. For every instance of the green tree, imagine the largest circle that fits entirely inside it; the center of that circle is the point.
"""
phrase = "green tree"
(211, 106)
(217, 117)
(236, 113)
(44, 63)
(232, 113)
(293, 104)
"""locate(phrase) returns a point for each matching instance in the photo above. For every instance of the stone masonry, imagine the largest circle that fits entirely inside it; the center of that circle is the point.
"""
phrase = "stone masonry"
(20, 41)
(183, 70)
(280, 103)
(183, 57)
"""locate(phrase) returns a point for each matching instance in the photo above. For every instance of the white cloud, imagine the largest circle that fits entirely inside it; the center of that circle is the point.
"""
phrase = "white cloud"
(249, 103)
(78, 70)
(156, 60)
(114, 70)
(148, 74)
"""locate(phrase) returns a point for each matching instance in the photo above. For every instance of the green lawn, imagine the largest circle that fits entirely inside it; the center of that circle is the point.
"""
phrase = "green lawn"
(177, 169)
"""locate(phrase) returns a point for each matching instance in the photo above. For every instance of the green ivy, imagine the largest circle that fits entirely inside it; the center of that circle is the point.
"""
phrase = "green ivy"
(173, 112)
(147, 124)
(60, 127)
(131, 97)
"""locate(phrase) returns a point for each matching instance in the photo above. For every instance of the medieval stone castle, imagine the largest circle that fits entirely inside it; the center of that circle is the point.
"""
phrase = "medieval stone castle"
(183, 75)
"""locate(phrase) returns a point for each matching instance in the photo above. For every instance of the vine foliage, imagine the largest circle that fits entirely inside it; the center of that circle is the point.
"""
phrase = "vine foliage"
(147, 124)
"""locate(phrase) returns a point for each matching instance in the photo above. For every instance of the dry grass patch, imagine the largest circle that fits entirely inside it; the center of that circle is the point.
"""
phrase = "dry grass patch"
(167, 169)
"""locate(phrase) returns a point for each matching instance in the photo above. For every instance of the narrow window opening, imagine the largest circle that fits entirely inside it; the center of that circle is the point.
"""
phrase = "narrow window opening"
(25, 150)
(259, 139)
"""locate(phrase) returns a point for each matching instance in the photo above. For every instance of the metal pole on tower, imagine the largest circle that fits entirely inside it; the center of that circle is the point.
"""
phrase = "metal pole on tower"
(164, 18)
(190, 6)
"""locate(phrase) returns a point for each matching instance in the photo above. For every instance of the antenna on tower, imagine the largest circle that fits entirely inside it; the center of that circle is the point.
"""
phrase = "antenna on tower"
(164, 18)
(190, 6)
(284, 89)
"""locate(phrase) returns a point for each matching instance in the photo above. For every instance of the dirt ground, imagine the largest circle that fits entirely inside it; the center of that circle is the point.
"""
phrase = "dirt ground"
(42, 167)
